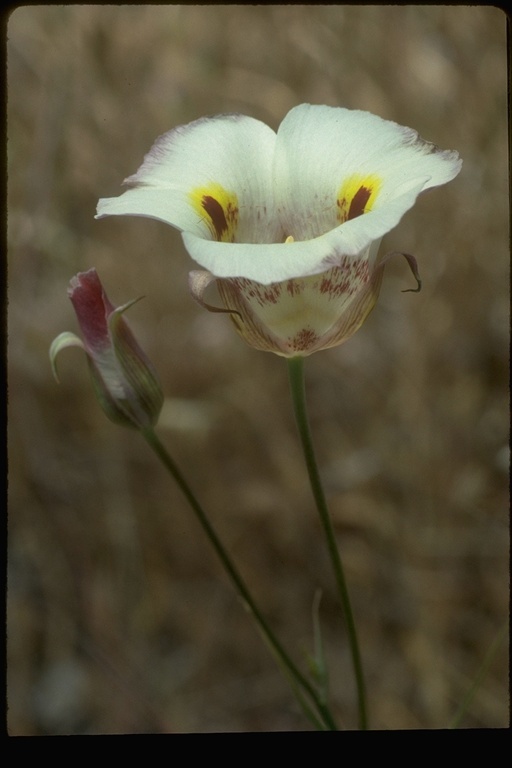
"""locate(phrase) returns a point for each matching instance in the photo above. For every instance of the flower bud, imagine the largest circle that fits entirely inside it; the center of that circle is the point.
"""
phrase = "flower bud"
(125, 381)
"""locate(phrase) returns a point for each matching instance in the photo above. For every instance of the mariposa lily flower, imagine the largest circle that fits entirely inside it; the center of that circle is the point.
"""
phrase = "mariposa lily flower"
(287, 224)
(125, 381)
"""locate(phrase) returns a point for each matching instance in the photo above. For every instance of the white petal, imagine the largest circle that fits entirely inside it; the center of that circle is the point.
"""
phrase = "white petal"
(299, 317)
(319, 149)
(273, 262)
(335, 180)
(232, 153)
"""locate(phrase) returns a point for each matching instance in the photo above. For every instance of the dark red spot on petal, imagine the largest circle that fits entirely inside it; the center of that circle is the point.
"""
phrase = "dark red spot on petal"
(293, 287)
(303, 340)
(359, 201)
(216, 213)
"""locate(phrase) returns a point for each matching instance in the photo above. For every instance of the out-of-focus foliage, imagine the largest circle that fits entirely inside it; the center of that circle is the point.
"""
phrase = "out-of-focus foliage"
(120, 619)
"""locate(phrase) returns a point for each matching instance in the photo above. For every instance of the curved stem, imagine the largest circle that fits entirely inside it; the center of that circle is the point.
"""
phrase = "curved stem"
(297, 679)
(296, 375)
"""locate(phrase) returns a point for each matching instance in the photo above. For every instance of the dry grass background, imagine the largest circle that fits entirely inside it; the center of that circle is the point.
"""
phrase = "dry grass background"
(120, 619)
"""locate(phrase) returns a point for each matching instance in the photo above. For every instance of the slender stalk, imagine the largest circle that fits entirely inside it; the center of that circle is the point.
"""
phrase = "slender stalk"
(296, 375)
(299, 682)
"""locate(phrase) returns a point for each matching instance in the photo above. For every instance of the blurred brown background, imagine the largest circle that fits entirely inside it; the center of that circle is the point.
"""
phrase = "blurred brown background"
(120, 619)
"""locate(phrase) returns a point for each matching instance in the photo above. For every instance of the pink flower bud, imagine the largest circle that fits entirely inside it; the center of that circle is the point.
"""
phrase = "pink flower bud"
(124, 379)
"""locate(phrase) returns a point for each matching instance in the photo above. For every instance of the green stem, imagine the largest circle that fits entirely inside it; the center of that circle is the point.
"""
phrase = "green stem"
(299, 682)
(296, 375)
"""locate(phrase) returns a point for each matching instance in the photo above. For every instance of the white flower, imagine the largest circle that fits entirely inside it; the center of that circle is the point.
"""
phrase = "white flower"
(287, 224)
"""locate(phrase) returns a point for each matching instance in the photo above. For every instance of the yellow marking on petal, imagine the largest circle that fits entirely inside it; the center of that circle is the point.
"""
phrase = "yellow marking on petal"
(290, 239)
(357, 195)
(219, 208)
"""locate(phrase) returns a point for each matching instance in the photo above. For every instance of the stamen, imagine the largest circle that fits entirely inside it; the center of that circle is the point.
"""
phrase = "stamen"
(290, 239)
